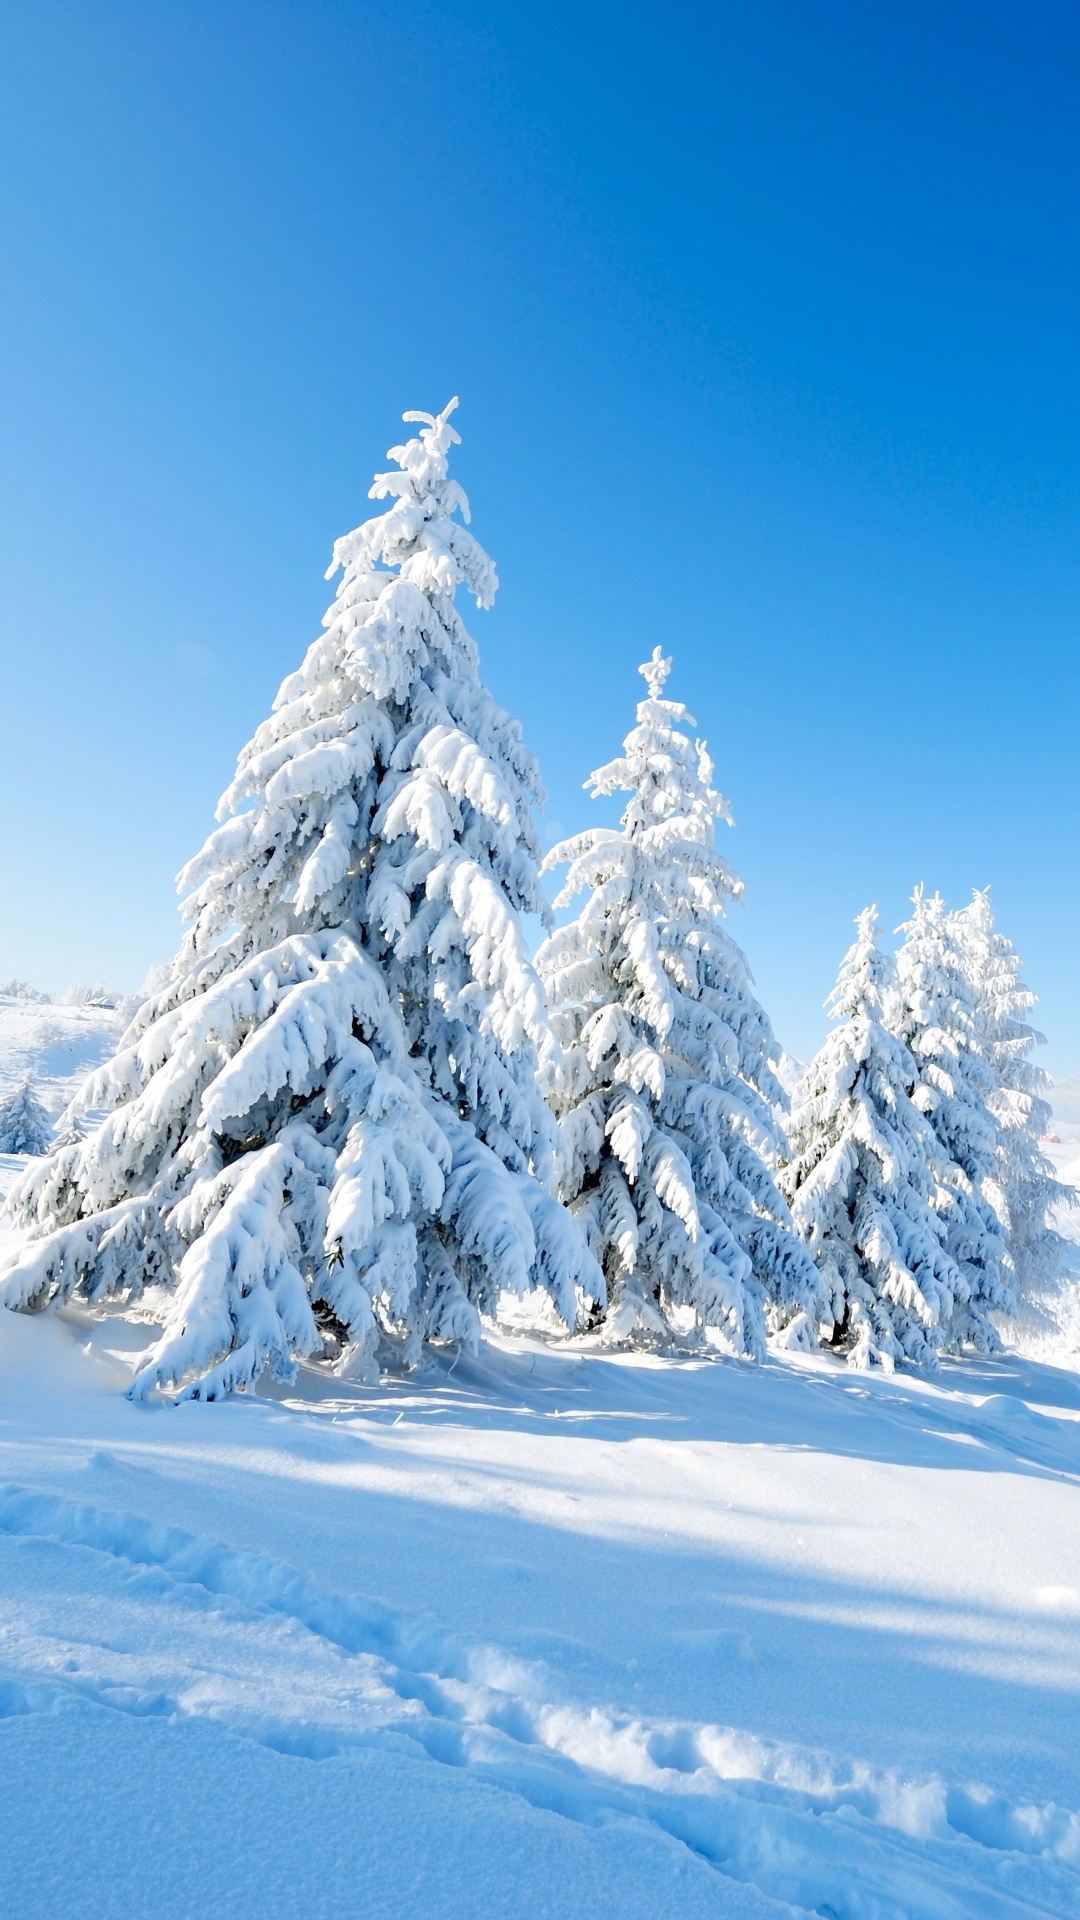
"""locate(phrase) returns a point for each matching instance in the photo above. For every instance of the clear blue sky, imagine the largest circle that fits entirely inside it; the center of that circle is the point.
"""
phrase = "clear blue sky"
(765, 325)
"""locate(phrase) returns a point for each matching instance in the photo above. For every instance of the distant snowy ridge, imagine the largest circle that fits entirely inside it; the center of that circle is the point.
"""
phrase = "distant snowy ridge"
(1064, 1098)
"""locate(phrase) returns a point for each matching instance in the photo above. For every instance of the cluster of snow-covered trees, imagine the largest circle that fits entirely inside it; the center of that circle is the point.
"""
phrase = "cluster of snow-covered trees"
(75, 996)
(916, 1178)
(354, 1113)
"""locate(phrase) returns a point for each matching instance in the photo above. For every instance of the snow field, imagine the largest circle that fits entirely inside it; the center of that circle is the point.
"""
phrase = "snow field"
(554, 1633)
(55, 1045)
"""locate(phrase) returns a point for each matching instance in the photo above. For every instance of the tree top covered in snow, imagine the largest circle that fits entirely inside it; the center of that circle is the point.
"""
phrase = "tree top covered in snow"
(667, 1094)
(326, 1136)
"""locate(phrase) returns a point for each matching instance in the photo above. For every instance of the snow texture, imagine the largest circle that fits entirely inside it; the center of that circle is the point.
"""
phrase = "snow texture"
(665, 1091)
(324, 1133)
(550, 1633)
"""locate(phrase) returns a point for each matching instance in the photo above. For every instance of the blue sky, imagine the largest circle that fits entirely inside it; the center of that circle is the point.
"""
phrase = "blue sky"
(764, 323)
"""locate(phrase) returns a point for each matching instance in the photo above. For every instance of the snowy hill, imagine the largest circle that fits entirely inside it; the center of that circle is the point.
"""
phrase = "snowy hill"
(56, 1046)
(547, 1633)
(1064, 1100)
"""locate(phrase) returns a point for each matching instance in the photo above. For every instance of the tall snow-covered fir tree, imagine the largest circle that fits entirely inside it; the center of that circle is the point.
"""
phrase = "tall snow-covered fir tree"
(866, 1174)
(665, 1091)
(935, 1018)
(1025, 1177)
(325, 1129)
(25, 1126)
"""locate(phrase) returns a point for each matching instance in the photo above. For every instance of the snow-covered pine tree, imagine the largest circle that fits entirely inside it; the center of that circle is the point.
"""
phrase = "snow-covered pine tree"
(665, 1092)
(25, 1126)
(863, 1176)
(1025, 1177)
(934, 1015)
(324, 1124)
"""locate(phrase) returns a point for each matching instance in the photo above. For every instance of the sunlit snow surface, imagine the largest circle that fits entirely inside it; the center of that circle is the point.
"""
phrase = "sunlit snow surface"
(558, 1634)
(55, 1045)
(546, 1634)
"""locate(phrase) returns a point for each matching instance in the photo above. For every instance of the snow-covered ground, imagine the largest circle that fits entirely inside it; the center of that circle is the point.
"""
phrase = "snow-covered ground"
(56, 1045)
(548, 1633)
(543, 1634)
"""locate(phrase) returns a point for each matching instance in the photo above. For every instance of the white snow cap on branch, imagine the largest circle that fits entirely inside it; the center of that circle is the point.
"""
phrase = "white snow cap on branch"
(325, 1134)
(665, 1090)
